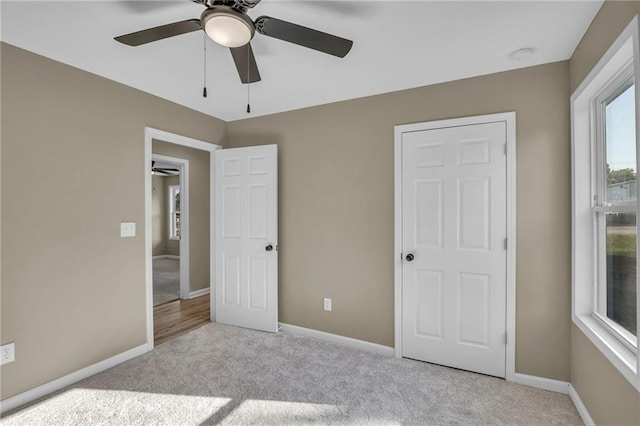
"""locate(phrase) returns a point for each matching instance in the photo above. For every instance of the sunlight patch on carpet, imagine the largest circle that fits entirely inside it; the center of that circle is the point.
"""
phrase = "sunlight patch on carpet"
(254, 411)
(96, 406)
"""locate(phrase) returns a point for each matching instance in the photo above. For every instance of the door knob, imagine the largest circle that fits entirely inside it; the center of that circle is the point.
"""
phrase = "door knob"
(410, 257)
(269, 247)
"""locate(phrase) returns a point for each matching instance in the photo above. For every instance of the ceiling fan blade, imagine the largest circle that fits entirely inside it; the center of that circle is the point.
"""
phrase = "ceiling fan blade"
(247, 4)
(163, 172)
(162, 169)
(158, 33)
(245, 63)
(303, 36)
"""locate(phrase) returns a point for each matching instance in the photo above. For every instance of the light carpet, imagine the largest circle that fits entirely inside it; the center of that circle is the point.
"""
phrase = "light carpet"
(219, 374)
(166, 280)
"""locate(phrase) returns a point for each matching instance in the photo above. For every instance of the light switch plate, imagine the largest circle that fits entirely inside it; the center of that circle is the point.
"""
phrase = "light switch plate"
(127, 229)
(327, 304)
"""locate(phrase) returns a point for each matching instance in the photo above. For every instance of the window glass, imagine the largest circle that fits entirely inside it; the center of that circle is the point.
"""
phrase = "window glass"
(621, 230)
(621, 269)
(177, 224)
(177, 199)
(620, 142)
(174, 212)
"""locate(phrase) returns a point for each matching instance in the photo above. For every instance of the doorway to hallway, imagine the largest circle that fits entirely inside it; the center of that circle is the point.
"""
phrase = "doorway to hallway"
(179, 235)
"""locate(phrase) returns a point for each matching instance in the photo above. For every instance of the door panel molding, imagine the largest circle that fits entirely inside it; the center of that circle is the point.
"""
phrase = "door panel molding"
(474, 154)
(249, 284)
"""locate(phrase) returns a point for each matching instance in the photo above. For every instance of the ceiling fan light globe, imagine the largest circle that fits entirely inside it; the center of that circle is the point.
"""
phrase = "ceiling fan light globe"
(228, 29)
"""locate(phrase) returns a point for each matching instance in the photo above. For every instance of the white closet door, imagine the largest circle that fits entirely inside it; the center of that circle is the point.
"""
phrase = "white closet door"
(454, 256)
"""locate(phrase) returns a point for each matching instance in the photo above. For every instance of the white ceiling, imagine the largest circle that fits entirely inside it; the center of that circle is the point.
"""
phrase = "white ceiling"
(397, 45)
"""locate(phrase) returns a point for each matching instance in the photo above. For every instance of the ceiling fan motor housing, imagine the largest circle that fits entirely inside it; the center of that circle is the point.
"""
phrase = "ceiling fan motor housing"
(227, 26)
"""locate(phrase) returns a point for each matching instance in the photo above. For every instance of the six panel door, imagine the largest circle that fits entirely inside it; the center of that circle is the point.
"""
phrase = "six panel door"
(454, 229)
(246, 231)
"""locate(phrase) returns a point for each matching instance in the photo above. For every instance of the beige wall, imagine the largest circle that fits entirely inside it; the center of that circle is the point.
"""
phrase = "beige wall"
(608, 396)
(336, 205)
(199, 221)
(611, 19)
(73, 291)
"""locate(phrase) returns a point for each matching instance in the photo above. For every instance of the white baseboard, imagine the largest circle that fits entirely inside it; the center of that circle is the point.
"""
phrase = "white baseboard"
(47, 388)
(166, 256)
(198, 293)
(560, 387)
(341, 340)
(542, 383)
(582, 409)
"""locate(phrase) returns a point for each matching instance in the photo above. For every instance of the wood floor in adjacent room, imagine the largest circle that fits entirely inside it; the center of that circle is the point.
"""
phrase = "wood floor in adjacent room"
(178, 317)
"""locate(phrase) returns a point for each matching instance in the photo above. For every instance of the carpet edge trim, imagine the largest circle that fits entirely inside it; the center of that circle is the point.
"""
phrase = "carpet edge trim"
(64, 381)
(340, 340)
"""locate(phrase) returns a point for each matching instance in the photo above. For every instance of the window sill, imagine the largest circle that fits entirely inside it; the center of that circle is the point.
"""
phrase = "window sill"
(614, 350)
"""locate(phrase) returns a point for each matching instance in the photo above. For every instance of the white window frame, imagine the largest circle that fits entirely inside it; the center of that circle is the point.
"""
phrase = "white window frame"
(587, 150)
(617, 85)
(173, 212)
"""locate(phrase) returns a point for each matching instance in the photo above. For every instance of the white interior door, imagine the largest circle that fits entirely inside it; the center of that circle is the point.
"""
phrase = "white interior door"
(246, 228)
(454, 255)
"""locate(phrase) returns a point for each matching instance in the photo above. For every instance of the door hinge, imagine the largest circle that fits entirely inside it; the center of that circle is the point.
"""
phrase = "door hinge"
(506, 338)
(505, 243)
(505, 148)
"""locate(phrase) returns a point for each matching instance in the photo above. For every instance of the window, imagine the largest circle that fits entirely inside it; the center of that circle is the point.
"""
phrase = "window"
(174, 212)
(605, 205)
(615, 208)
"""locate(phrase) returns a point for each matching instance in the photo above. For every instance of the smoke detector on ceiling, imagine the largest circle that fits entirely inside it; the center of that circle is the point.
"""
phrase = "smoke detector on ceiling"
(522, 54)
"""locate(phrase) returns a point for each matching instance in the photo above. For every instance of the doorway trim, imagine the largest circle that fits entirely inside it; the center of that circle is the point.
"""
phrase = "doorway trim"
(183, 166)
(149, 135)
(510, 119)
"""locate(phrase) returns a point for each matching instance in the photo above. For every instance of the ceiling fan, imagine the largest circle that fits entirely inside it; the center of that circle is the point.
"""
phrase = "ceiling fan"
(162, 170)
(226, 22)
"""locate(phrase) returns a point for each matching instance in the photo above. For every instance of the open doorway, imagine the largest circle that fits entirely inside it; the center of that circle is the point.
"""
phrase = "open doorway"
(179, 234)
(169, 177)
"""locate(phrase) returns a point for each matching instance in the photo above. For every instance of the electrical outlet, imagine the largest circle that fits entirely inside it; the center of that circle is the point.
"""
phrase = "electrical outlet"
(127, 229)
(7, 353)
(327, 304)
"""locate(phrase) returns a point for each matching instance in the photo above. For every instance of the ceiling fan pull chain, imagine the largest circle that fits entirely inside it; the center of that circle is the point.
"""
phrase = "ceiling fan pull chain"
(248, 80)
(204, 76)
